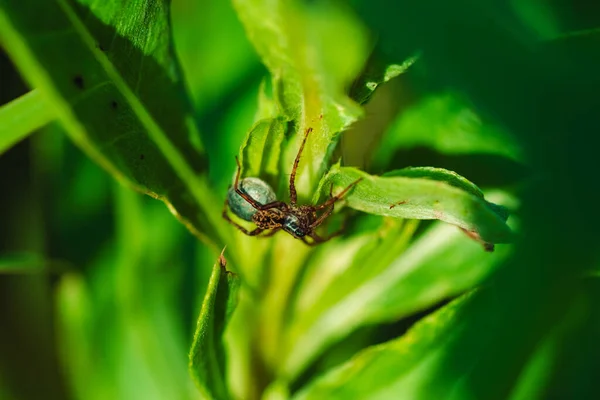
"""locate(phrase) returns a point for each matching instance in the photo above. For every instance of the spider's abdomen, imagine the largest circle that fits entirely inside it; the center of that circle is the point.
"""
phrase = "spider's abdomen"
(256, 188)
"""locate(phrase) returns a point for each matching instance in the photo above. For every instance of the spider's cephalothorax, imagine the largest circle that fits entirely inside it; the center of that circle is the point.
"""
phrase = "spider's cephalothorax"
(267, 213)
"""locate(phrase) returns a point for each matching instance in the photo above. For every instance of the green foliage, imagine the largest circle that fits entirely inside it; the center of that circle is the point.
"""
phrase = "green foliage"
(207, 355)
(397, 368)
(298, 43)
(425, 193)
(403, 304)
(118, 71)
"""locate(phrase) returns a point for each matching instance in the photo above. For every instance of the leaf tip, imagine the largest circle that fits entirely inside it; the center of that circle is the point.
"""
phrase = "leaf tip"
(222, 259)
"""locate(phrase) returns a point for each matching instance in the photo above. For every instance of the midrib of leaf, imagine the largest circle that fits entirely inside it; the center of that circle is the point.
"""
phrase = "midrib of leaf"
(308, 90)
(197, 185)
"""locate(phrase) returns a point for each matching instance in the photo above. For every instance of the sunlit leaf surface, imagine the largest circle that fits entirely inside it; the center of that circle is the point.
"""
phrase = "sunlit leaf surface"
(299, 45)
(425, 193)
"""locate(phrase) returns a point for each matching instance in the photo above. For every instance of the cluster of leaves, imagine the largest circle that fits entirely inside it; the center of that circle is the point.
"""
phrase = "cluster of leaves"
(330, 322)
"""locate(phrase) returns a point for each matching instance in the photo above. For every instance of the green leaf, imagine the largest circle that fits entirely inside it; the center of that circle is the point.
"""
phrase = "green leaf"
(75, 318)
(446, 123)
(207, 354)
(267, 106)
(376, 74)
(21, 117)
(460, 351)
(133, 286)
(261, 150)
(424, 193)
(299, 44)
(109, 72)
(442, 263)
(394, 370)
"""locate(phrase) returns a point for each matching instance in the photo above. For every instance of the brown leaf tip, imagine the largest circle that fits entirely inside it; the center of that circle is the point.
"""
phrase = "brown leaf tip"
(222, 259)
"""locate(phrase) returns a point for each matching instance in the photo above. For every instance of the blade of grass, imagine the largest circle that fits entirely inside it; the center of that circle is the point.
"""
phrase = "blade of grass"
(207, 362)
(23, 116)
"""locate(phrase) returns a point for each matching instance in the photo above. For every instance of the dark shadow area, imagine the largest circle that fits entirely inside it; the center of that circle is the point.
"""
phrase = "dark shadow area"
(485, 169)
(547, 97)
(29, 365)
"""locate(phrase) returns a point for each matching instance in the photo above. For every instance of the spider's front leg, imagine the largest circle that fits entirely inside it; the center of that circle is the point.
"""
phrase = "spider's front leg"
(319, 220)
(338, 196)
(248, 198)
(293, 194)
(318, 239)
(236, 187)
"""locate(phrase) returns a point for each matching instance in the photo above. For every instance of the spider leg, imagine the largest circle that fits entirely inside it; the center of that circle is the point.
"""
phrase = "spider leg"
(293, 195)
(253, 232)
(319, 220)
(318, 239)
(245, 196)
(306, 242)
(338, 196)
(273, 204)
(322, 217)
(236, 187)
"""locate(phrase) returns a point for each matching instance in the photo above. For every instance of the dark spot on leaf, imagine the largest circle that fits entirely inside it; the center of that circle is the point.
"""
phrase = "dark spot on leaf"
(489, 247)
(114, 105)
(101, 47)
(142, 157)
(397, 204)
(78, 81)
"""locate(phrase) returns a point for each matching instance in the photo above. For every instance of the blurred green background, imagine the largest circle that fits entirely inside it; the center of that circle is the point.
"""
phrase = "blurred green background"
(101, 286)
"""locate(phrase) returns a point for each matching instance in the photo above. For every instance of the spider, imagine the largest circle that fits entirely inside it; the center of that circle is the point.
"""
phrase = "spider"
(300, 221)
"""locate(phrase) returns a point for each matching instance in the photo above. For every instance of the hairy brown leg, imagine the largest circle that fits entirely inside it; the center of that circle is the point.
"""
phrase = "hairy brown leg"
(253, 232)
(293, 195)
(337, 197)
(322, 217)
(306, 242)
(319, 220)
(318, 239)
(273, 204)
(245, 196)
(236, 187)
